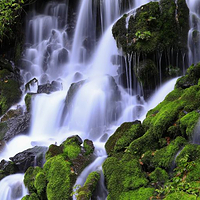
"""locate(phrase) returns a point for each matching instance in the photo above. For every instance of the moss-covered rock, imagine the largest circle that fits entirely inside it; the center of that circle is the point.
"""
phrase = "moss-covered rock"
(120, 140)
(123, 175)
(154, 35)
(88, 146)
(85, 192)
(164, 157)
(9, 86)
(58, 175)
(139, 194)
(180, 195)
(159, 176)
(28, 99)
(164, 145)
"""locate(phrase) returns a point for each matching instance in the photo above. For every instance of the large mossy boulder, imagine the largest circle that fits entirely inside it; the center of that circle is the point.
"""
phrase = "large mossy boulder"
(63, 164)
(154, 36)
(159, 149)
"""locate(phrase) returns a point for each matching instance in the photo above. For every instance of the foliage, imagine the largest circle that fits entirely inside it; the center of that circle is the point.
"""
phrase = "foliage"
(179, 183)
(9, 11)
(146, 35)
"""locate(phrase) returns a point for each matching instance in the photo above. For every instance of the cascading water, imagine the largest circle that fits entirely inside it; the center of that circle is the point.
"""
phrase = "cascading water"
(99, 103)
(194, 33)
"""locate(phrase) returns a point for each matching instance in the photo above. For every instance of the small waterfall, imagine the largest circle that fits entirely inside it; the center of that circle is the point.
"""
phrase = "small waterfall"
(12, 187)
(194, 33)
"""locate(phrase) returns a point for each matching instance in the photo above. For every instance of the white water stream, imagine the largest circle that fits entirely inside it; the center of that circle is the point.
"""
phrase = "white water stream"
(100, 104)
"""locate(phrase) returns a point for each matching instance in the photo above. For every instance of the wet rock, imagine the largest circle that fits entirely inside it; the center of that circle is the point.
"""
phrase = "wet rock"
(63, 56)
(16, 126)
(104, 137)
(29, 157)
(7, 168)
(49, 87)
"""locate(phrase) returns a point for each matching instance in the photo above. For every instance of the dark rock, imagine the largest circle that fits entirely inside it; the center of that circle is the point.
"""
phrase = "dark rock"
(29, 157)
(63, 56)
(7, 168)
(49, 87)
(17, 125)
(104, 137)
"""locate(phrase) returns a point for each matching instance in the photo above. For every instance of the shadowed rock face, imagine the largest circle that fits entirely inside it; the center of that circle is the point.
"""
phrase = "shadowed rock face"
(30, 157)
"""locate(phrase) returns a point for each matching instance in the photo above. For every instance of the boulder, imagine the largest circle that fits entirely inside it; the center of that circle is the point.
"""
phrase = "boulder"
(49, 87)
(30, 157)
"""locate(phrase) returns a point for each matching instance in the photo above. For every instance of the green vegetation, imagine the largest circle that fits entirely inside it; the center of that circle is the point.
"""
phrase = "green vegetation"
(164, 165)
(9, 11)
(85, 192)
(58, 175)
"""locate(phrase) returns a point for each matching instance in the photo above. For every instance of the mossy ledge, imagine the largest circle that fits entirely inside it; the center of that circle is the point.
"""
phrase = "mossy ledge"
(58, 175)
(156, 159)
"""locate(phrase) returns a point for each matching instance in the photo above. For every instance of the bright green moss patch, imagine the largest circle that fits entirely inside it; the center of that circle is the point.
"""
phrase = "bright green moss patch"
(40, 183)
(122, 137)
(85, 192)
(188, 123)
(29, 178)
(58, 176)
(71, 147)
(123, 175)
(159, 176)
(164, 157)
(180, 195)
(28, 98)
(139, 194)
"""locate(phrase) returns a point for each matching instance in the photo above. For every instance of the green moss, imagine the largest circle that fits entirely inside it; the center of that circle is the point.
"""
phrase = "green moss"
(85, 192)
(159, 175)
(188, 123)
(191, 78)
(123, 175)
(163, 158)
(10, 94)
(29, 178)
(123, 136)
(190, 152)
(27, 99)
(139, 194)
(88, 146)
(71, 147)
(40, 183)
(58, 174)
(180, 195)
(143, 144)
(33, 196)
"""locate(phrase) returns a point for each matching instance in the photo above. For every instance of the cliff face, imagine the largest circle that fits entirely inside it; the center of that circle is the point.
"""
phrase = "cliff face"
(156, 36)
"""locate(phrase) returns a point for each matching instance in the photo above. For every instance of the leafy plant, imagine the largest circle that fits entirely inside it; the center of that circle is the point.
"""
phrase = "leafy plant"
(9, 11)
(146, 35)
(178, 183)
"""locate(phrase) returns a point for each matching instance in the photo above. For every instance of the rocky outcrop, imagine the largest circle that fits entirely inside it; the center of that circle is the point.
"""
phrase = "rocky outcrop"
(49, 87)
(156, 37)
(143, 156)
(58, 175)
(30, 157)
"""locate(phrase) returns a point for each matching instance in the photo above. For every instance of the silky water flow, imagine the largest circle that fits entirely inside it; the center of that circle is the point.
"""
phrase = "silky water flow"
(100, 103)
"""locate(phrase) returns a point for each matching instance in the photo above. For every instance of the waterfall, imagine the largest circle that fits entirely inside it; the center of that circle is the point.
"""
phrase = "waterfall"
(99, 104)
(194, 32)
(12, 187)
